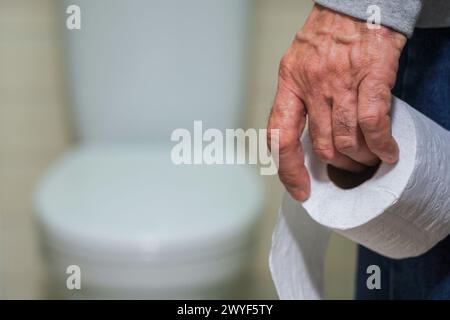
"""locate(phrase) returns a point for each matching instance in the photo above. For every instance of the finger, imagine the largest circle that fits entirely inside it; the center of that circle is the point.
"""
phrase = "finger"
(321, 134)
(374, 103)
(347, 136)
(288, 116)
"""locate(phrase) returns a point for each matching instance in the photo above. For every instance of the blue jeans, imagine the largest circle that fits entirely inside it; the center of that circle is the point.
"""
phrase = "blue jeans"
(423, 81)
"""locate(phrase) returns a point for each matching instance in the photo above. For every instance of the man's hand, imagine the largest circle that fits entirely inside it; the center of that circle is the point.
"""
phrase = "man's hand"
(340, 73)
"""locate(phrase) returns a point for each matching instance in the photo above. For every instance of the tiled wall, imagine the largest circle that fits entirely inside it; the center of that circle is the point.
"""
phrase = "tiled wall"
(34, 130)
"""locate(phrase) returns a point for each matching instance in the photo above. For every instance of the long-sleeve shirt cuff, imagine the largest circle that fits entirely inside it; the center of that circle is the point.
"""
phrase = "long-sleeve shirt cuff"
(400, 15)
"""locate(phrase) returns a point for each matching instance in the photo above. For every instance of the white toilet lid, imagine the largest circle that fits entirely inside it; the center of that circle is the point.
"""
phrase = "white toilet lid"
(110, 199)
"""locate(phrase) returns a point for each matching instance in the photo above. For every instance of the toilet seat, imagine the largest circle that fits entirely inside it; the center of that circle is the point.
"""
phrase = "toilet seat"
(130, 202)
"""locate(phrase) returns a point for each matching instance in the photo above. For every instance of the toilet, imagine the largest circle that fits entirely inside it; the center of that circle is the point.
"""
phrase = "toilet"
(116, 217)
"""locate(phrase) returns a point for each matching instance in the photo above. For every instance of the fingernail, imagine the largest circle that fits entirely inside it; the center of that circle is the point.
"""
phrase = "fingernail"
(391, 156)
(303, 195)
(392, 159)
(300, 195)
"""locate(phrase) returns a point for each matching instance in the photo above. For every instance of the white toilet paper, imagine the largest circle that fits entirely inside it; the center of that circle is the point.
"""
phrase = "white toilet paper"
(402, 211)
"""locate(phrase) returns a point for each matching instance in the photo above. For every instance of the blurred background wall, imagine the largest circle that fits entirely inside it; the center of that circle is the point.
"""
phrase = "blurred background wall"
(35, 128)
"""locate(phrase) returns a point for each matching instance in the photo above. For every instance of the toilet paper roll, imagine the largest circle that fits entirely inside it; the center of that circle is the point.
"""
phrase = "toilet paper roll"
(402, 211)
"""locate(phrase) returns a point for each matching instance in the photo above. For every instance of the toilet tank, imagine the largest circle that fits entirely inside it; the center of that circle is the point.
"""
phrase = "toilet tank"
(138, 69)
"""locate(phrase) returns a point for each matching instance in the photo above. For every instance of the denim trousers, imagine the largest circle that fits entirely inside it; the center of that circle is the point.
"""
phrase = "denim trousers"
(423, 81)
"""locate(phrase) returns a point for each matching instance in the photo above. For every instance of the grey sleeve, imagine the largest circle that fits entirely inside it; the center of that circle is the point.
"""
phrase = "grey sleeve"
(400, 15)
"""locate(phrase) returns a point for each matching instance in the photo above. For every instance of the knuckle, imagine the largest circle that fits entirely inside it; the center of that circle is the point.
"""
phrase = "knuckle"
(369, 121)
(378, 145)
(375, 147)
(327, 155)
(343, 120)
(284, 140)
(285, 144)
(288, 179)
(301, 36)
(284, 69)
(345, 144)
(377, 91)
(273, 137)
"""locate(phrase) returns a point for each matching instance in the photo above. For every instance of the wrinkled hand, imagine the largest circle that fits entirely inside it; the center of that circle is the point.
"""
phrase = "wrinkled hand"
(340, 74)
